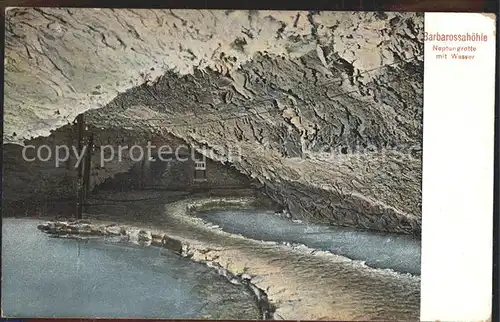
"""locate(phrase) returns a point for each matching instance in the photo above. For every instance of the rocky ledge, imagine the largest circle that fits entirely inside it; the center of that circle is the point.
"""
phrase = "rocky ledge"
(85, 229)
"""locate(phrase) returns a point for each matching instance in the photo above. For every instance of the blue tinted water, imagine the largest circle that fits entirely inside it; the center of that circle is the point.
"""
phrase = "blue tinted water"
(54, 277)
(379, 250)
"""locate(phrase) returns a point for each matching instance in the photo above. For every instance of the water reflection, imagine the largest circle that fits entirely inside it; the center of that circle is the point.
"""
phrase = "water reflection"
(52, 277)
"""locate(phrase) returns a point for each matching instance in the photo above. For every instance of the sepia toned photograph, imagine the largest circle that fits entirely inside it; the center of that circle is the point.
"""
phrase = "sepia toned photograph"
(212, 164)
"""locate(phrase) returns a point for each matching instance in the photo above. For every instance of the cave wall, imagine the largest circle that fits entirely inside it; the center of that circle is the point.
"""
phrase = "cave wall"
(33, 182)
(350, 159)
(325, 108)
(29, 183)
(177, 175)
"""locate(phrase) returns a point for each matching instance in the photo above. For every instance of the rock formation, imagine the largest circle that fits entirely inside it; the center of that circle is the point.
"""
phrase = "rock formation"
(324, 108)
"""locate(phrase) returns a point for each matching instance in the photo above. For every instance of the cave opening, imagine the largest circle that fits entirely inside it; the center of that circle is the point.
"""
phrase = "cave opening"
(72, 168)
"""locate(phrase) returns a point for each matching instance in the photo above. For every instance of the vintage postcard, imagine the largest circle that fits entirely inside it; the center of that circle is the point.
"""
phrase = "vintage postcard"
(247, 164)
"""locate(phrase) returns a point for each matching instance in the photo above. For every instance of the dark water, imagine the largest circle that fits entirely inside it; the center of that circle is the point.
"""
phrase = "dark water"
(48, 277)
(379, 250)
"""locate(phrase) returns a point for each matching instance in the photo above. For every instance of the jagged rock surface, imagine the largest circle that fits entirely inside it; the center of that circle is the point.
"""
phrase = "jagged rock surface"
(325, 109)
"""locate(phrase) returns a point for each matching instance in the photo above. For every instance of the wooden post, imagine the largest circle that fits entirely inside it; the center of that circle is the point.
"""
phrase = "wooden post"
(86, 173)
(80, 128)
(145, 172)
